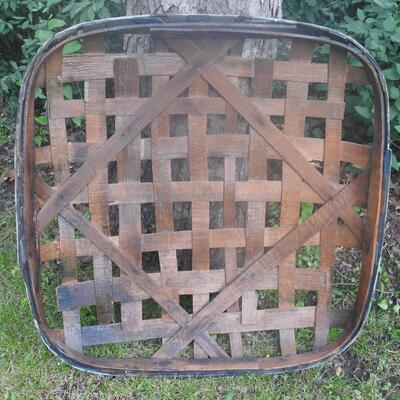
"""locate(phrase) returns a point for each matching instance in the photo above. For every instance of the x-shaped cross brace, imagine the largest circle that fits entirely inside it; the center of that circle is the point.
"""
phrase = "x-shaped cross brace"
(200, 63)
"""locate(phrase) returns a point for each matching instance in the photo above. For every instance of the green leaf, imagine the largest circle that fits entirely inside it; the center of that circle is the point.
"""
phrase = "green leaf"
(334, 333)
(39, 94)
(356, 26)
(395, 163)
(306, 211)
(360, 14)
(397, 127)
(391, 74)
(43, 35)
(363, 111)
(52, 2)
(389, 24)
(68, 92)
(383, 304)
(383, 3)
(55, 23)
(397, 103)
(72, 47)
(396, 308)
(394, 92)
(77, 121)
(14, 65)
(396, 36)
(41, 119)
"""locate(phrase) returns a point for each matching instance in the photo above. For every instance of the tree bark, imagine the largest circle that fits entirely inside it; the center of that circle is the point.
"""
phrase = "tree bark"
(252, 8)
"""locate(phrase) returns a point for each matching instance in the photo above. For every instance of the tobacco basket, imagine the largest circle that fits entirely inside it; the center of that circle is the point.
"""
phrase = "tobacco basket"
(196, 209)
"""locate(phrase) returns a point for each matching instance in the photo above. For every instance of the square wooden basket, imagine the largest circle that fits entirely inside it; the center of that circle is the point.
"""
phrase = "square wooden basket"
(196, 210)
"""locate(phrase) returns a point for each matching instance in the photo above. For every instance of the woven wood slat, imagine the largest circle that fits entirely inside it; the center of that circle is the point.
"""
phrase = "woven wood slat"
(81, 67)
(126, 85)
(332, 209)
(331, 168)
(229, 279)
(59, 157)
(96, 134)
(294, 125)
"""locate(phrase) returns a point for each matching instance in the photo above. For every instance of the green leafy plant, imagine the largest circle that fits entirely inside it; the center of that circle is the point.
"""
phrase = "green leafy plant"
(376, 25)
(25, 25)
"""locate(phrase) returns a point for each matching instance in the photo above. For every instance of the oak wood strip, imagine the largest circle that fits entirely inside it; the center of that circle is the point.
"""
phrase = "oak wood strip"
(331, 167)
(296, 92)
(96, 134)
(126, 86)
(218, 146)
(329, 212)
(80, 67)
(265, 320)
(141, 118)
(136, 274)
(200, 282)
(198, 167)
(257, 170)
(129, 192)
(182, 240)
(229, 217)
(160, 128)
(59, 159)
(192, 105)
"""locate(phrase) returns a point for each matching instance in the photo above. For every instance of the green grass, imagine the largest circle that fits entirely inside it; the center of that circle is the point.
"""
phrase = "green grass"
(369, 370)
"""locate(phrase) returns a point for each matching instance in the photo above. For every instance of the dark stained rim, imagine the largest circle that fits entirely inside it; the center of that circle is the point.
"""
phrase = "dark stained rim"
(190, 25)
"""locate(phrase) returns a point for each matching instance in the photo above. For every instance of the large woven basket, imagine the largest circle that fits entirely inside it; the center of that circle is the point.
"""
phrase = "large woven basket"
(196, 211)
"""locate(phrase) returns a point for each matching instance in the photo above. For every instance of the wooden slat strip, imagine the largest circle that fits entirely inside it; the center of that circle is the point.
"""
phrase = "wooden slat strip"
(301, 317)
(126, 85)
(136, 274)
(294, 125)
(80, 67)
(192, 105)
(257, 170)
(269, 132)
(141, 118)
(229, 207)
(128, 192)
(96, 134)
(197, 283)
(329, 212)
(183, 240)
(198, 167)
(333, 134)
(217, 146)
(59, 157)
(160, 128)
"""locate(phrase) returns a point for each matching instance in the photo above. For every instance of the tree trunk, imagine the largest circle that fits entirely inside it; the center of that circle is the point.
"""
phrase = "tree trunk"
(252, 8)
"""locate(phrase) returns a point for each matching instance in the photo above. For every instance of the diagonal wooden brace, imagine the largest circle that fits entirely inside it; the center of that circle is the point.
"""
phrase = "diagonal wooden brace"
(327, 214)
(107, 247)
(268, 131)
(144, 114)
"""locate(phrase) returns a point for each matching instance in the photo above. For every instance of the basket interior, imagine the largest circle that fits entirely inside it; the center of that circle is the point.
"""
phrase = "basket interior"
(200, 196)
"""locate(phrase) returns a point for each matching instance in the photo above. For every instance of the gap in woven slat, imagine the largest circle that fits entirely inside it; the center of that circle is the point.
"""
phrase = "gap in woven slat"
(261, 344)
(151, 261)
